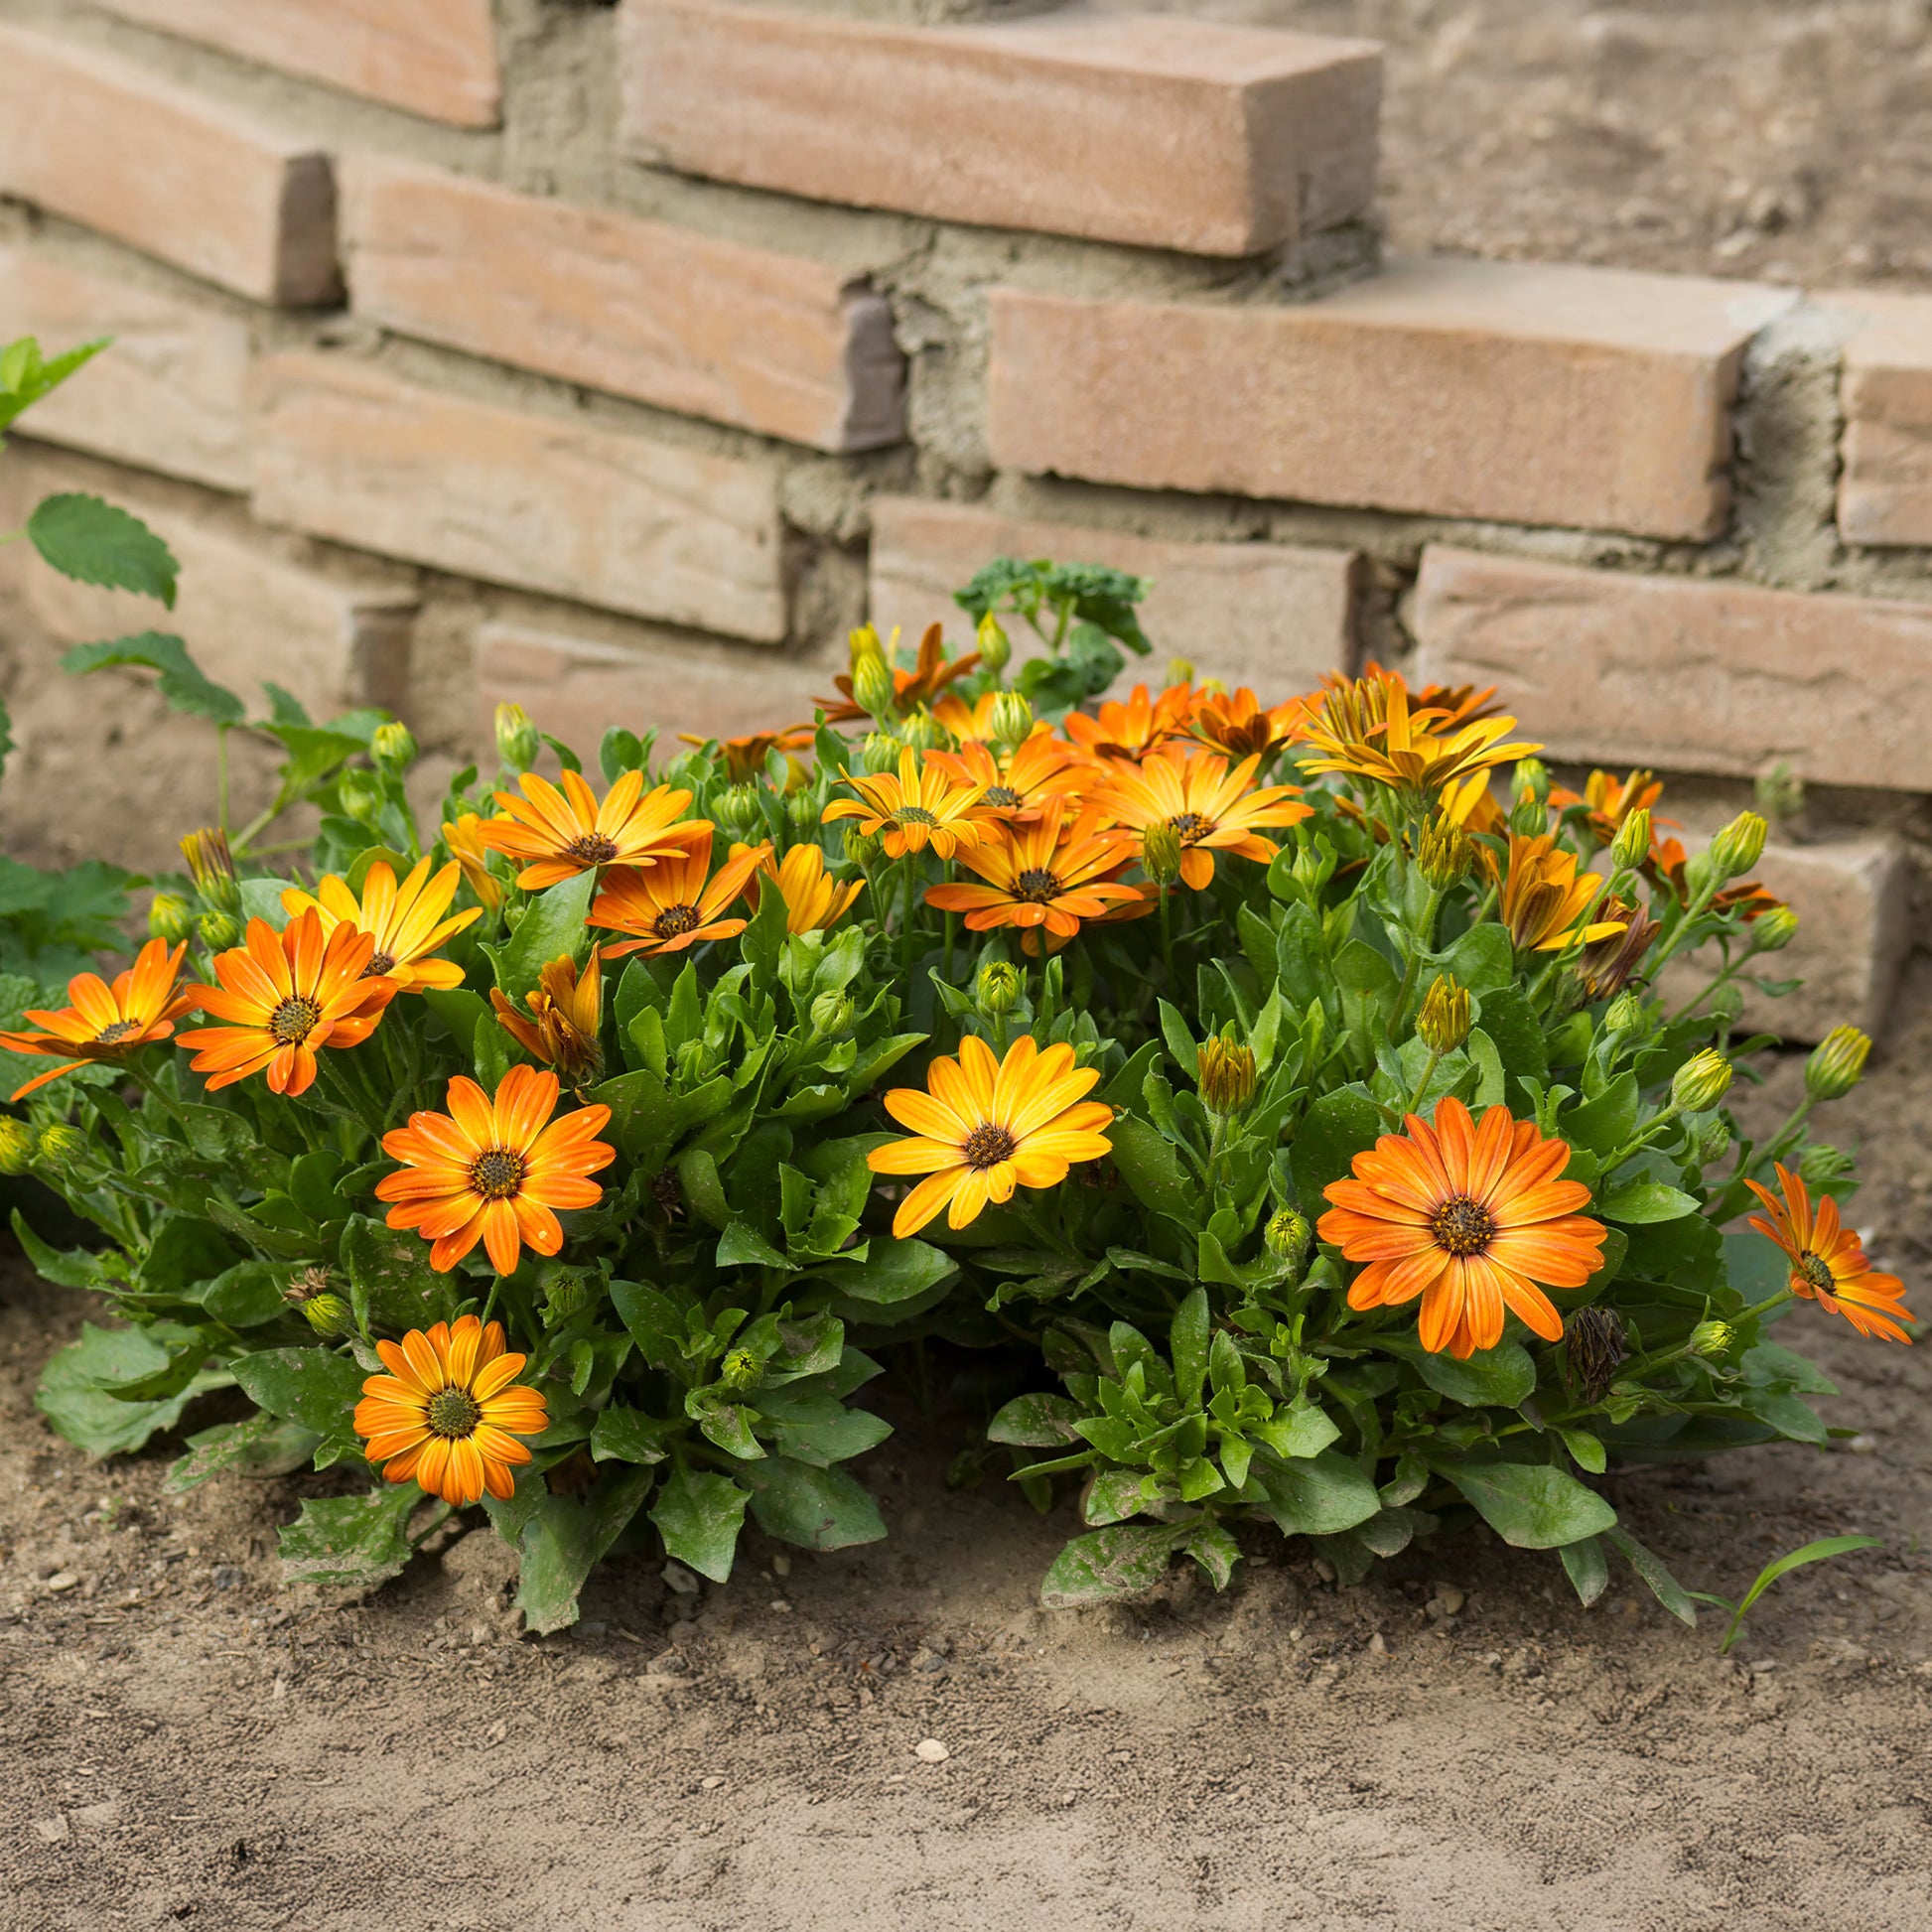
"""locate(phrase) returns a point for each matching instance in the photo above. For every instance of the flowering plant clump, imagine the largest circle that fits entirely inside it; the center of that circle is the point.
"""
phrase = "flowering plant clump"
(1280, 1086)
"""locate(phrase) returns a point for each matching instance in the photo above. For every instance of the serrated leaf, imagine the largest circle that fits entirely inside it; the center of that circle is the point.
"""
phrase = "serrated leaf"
(181, 681)
(350, 1542)
(96, 543)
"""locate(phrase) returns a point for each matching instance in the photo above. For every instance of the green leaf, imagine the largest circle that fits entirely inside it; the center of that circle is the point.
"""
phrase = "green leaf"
(1509, 1020)
(1587, 1568)
(1531, 1505)
(894, 1269)
(26, 377)
(247, 1295)
(1317, 1495)
(563, 1540)
(1151, 1169)
(1339, 1125)
(1819, 1552)
(1302, 1430)
(315, 1387)
(552, 926)
(1036, 1422)
(1650, 1567)
(817, 1509)
(68, 1268)
(74, 1391)
(827, 1431)
(1639, 1203)
(95, 543)
(1585, 1448)
(699, 1515)
(1495, 1378)
(628, 1436)
(181, 681)
(1215, 1550)
(1123, 1559)
(1187, 1348)
(1607, 1123)
(260, 1445)
(350, 1542)
(390, 1282)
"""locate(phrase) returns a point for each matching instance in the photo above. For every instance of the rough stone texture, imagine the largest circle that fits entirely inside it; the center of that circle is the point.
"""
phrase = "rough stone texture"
(1685, 674)
(252, 606)
(346, 451)
(1851, 897)
(1884, 491)
(215, 191)
(1590, 397)
(435, 58)
(171, 394)
(769, 342)
(578, 687)
(1155, 130)
(1259, 613)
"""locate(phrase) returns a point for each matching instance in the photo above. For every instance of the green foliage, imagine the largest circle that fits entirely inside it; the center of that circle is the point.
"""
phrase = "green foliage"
(95, 543)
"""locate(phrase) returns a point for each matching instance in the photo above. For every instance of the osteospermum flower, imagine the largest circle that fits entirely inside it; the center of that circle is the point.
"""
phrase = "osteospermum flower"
(1239, 725)
(989, 1126)
(1014, 788)
(106, 1020)
(673, 906)
(1545, 898)
(1612, 799)
(1208, 807)
(558, 834)
(406, 921)
(449, 1411)
(1132, 730)
(491, 1170)
(1471, 1219)
(1036, 877)
(1827, 1266)
(931, 674)
(745, 757)
(464, 837)
(920, 805)
(285, 996)
(566, 1016)
(816, 901)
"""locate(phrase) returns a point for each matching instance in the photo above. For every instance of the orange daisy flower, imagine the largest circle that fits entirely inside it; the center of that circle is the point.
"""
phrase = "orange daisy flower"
(816, 901)
(920, 806)
(1611, 800)
(1543, 896)
(1035, 877)
(406, 921)
(1014, 788)
(1471, 1218)
(494, 1172)
(930, 675)
(286, 995)
(988, 1125)
(670, 907)
(1210, 807)
(558, 834)
(1827, 1266)
(449, 1411)
(566, 1017)
(467, 847)
(745, 757)
(968, 720)
(1239, 726)
(107, 1021)
(1132, 730)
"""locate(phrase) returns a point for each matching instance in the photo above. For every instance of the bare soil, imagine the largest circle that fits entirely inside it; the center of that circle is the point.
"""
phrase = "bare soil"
(1452, 1745)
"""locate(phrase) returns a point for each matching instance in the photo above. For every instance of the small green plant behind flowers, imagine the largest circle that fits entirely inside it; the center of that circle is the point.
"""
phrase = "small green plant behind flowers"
(1287, 1116)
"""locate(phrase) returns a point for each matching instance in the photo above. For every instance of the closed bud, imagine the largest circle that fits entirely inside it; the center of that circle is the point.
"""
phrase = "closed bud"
(1287, 1236)
(1820, 1163)
(1837, 1063)
(1739, 847)
(880, 753)
(832, 1015)
(1530, 780)
(329, 1315)
(994, 645)
(516, 738)
(924, 731)
(1013, 720)
(863, 644)
(564, 1294)
(217, 931)
(801, 814)
(1161, 854)
(393, 747)
(1529, 819)
(874, 687)
(1701, 1081)
(1442, 1024)
(1714, 1142)
(861, 848)
(1181, 671)
(1624, 1014)
(1772, 931)
(737, 812)
(740, 1370)
(16, 1145)
(61, 1147)
(1211, 687)
(1780, 792)
(1710, 1340)
(360, 794)
(169, 918)
(1593, 1347)
(1225, 1074)
(212, 865)
(1445, 853)
(998, 990)
(1632, 846)
(1726, 1004)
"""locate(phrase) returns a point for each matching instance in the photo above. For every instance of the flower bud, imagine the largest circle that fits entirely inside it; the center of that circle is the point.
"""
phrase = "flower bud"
(1161, 854)
(393, 747)
(1632, 846)
(1701, 1081)
(1211, 687)
(564, 1294)
(1772, 931)
(212, 865)
(736, 811)
(61, 1147)
(1181, 671)
(1445, 853)
(1530, 780)
(1820, 1163)
(1739, 847)
(1225, 1074)
(1714, 1142)
(329, 1315)
(874, 687)
(1624, 1014)
(994, 645)
(1013, 720)
(997, 991)
(880, 753)
(740, 1370)
(1529, 819)
(861, 848)
(360, 793)
(863, 644)
(924, 731)
(1837, 1063)
(16, 1145)
(1442, 1024)
(1592, 1349)
(217, 931)
(832, 1015)
(169, 918)
(802, 815)
(1711, 1339)
(1780, 792)
(1287, 1236)
(516, 738)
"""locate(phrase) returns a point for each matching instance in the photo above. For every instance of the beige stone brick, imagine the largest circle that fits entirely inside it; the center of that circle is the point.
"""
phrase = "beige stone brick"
(344, 450)
(1584, 397)
(170, 394)
(435, 58)
(576, 688)
(1157, 130)
(1686, 674)
(1852, 902)
(1884, 489)
(252, 607)
(201, 184)
(750, 336)
(1266, 614)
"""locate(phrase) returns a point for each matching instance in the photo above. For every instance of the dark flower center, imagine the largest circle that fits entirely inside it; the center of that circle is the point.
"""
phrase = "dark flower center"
(987, 1146)
(498, 1172)
(1816, 1271)
(380, 963)
(591, 849)
(914, 815)
(675, 919)
(1001, 795)
(1462, 1226)
(1036, 884)
(111, 1035)
(294, 1020)
(1192, 826)
(454, 1412)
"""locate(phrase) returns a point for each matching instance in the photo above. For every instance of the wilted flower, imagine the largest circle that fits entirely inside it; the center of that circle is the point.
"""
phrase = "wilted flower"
(566, 1017)
(1837, 1063)
(1593, 1351)
(211, 865)
(1605, 967)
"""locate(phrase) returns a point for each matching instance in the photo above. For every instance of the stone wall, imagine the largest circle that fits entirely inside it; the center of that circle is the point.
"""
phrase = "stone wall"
(618, 358)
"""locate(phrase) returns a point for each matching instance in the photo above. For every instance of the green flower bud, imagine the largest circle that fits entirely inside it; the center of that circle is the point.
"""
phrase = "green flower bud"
(1530, 780)
(1529, 818)
(802, 815)
(1442, 1024)
(1624, 1014)
(1632, 846)
(880, 753)
(992, 644)
(1161, 854)
(737, 812)
(861, 848)
(360, 794)
(1780, 792)
(329, 1315)
(873, 686)
(212, 865)
(516, 738)
(832, 1015)
(998, 990)
(217, 931)
(1772, 931)
(1820, 1163)
(1180, 670)
(1837, 1063)
(1287, 1236)
(740, 1370)
(1701, 1081)
(61, 1147)
(1225, 1074)
(1714, 1142)
(1739, 845)
(924, 731)
(564, 1296)
(169, 918)
(16, 1145)
(393, 747)
(1711, 1339)
(1445, 853)
(1013, 720)
(863, 644)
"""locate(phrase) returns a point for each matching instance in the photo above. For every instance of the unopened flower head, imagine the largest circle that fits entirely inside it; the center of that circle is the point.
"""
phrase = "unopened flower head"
(861, 848)
(1593, 1348)
(217, 931)
(564, 1294)
(999, 987)
(329, 1315)
(832, 1015)
(736, 811)
(1442, 1024)
(61, 1147)
(1287, 1235)
(516, 738)
(393, 745)
(1529, 818)
(211, 865)
(1772, 931)
(992, 644)
(1739, 845)
(863, 644)
(1780, 792)
(1013, 720)
(740, 1370)
(1624, 1014)
(1161, 854)
(1531, 780)
(1820, 1163)
(873, 686)
(1837, 1063)
(1701, 1081)
(880, 753)
(1632, 846)
(1445, 853)
(1714, 1142)
(924, 731)
(1710, 1340)
(1181, 672)
(803, 813)
(16, 1145)
(169, 918)
(360, 794)
(1227, 1075)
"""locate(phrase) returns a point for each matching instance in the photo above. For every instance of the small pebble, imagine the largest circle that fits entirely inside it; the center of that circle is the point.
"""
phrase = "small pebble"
(1450, 1598)
(779, 1604)
(1324, 1570)
(710, 1784)
(929, 1751)
(1378, 1646)
(781, 1564)
(681, 1580)
(62, 1579)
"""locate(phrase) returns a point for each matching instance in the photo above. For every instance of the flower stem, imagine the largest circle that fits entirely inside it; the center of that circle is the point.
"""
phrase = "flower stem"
(1167, 934)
